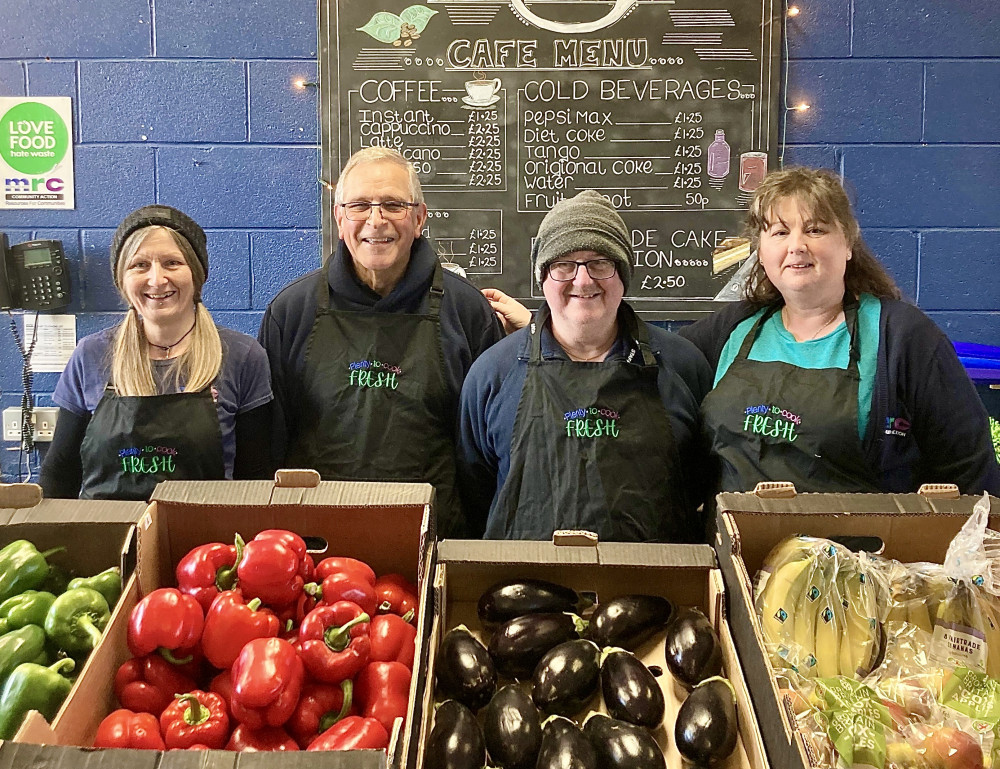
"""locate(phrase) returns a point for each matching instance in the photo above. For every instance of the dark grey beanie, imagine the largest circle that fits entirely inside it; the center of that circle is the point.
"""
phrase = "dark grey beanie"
(163, 216)
(586, 222)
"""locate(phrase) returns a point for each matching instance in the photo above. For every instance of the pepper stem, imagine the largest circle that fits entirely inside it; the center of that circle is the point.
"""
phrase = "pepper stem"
(254, 604)
(168, 655)
(195, 713)
(53, 551)
(65, 665)
(86, 624)
(225, 577)
(337, 638)
(408, 617)
(330, 718)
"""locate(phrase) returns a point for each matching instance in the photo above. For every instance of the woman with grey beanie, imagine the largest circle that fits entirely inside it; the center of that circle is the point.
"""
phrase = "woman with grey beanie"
(587, 418)
(165, 394)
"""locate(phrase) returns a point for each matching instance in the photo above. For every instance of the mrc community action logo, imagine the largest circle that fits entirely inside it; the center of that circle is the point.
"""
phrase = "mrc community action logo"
(33, 138)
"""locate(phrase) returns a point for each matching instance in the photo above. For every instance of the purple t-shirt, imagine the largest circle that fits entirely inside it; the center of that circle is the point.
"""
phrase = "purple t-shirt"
(243, 383)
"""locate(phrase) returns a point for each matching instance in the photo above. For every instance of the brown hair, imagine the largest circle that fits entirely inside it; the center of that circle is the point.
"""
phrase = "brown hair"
(821, 193)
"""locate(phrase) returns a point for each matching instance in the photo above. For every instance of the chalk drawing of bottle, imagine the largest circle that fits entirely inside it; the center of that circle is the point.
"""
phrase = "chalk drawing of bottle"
(718, 160)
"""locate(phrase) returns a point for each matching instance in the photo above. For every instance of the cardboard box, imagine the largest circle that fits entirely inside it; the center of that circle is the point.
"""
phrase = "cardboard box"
(686, 574)
(381, 523)
(913, 527)
(96, 536)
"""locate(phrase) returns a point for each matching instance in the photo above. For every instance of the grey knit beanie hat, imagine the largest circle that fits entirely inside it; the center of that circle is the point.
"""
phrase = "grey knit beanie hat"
(164, 216)
(586, 222)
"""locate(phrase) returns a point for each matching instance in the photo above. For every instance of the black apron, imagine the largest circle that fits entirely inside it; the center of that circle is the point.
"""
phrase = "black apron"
(592, 449)
(375, 402)
(134, 442)
(772, 421)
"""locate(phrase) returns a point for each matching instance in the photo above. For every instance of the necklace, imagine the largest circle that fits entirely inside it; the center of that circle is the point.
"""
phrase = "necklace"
(581, 359)
(167, 348)
(820, 330)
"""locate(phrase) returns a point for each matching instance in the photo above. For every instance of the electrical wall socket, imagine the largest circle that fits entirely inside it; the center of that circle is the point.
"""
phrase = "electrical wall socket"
(43, 418)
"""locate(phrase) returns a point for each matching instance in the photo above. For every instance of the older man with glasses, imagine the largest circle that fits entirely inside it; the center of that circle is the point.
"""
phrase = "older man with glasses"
(368, 353)
(587, 418)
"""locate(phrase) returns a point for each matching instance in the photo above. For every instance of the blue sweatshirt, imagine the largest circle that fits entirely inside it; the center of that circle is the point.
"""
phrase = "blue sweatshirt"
(492, 392)
(468, 325)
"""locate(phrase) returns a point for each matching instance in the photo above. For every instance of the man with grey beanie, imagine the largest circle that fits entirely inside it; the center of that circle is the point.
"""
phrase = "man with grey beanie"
(589, 417)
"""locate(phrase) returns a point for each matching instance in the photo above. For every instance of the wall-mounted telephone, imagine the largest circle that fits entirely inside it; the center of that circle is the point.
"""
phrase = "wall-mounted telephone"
(33, 275)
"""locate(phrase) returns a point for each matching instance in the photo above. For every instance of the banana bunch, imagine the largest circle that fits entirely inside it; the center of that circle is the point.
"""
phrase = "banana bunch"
(818, 609)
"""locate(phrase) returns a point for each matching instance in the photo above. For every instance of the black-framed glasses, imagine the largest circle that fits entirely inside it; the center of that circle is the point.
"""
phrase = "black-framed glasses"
(598, 269)
(360, 210)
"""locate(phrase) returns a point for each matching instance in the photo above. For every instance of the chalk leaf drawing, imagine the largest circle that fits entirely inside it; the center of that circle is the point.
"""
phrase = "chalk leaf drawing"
(385, 27)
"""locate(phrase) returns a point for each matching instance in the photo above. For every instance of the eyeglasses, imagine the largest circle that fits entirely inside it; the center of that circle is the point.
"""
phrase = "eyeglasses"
(360, 210)
(598, 269)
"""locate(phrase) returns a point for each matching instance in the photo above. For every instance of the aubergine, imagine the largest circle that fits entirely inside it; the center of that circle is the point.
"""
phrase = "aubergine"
(706, 726)
(456, 741)
(621, 745)
(564, 746)
(628, 621)
(512, 729)
(464, 670)
(567, 677)
(516, 597)
(631, 692)
(692, 648)
(518, 644)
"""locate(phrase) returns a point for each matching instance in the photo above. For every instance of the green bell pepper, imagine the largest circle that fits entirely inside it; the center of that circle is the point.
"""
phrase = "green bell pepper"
(108, 583)
(24, 645)
(33, 687)
(28, 608)
(22, 567)
(76, 619)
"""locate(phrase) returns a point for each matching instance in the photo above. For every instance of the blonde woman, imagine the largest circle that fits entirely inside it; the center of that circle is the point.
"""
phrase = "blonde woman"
(165, 394)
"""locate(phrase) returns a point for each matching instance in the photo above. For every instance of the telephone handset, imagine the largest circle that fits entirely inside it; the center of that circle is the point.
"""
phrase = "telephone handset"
(33, 275)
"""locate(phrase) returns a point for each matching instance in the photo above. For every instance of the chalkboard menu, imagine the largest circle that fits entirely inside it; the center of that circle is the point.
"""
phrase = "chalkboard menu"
(669, 108)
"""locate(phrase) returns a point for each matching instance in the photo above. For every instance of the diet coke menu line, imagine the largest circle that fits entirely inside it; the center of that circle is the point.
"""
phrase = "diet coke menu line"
(669, 108)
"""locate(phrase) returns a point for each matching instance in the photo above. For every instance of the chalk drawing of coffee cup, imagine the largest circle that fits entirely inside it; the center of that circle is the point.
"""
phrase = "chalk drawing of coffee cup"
(482, 93)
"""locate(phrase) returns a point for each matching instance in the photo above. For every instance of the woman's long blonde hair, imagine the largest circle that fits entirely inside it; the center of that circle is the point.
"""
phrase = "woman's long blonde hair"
(131, 368)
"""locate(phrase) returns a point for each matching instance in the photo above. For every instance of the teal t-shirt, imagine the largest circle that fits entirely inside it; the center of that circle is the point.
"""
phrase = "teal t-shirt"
(775, 343)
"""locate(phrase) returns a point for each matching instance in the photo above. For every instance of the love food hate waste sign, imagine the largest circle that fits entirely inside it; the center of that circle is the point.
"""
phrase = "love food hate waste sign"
(36, 152)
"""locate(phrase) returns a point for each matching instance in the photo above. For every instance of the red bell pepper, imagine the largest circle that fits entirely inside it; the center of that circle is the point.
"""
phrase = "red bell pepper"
(125, 729)
(334, 642)
(267, 680)
(341, 586)
(275, 567)
(319, 708)
(167, 621)
(394, 639)
(230, 623)
(382, 691)
(222, 685)
(291, 616)
(353, 733)
(195, 718)
(208, 569)
(344, 565)
(267, 738)
(396, 595)
(148, 684)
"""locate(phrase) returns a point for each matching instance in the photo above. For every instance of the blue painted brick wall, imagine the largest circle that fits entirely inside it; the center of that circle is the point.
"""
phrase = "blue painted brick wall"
(190, 103)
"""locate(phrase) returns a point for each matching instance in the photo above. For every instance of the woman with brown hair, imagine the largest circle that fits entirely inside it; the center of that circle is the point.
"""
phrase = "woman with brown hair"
(823, 375)
(166, 394)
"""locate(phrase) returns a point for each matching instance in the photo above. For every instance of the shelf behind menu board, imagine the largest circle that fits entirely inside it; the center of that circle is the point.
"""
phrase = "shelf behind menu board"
(669, 108)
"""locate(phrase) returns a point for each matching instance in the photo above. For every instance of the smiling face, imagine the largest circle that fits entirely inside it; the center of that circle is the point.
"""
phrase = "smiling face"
(379, 247)
(583, 306)
(804, 258)
(157, 280)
